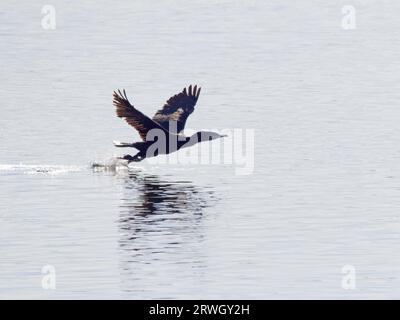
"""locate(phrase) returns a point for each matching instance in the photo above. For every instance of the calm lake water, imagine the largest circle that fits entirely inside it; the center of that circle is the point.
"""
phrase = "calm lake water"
(325, 191)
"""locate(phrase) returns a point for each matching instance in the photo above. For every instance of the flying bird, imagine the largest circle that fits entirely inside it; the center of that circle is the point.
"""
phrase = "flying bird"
(163, 134)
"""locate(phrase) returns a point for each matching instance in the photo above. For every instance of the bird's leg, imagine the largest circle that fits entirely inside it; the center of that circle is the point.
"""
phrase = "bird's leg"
(138, 157)
(127, 157)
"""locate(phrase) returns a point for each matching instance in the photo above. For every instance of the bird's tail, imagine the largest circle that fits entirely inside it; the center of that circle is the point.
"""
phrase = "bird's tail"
(136, 145)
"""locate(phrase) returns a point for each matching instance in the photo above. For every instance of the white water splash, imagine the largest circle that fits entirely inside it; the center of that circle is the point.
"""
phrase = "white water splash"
(113, 164)
(39, 169)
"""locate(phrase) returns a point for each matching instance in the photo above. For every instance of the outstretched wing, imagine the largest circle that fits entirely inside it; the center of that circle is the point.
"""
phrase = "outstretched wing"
(134, 117)
(177, 109)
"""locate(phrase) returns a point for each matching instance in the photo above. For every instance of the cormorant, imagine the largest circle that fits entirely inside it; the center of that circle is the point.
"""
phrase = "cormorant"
(163, 134)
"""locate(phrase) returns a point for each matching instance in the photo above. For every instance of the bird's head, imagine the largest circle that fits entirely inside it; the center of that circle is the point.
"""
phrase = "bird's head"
(207, 136)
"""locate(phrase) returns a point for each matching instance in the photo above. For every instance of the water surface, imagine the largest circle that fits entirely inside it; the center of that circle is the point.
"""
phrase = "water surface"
(325, 191)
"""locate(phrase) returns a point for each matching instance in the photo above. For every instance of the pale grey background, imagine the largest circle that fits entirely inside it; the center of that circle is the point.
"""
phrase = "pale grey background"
(325, 191)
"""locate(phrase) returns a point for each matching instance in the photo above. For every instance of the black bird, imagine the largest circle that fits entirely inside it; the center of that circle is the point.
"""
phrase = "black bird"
(164, 133)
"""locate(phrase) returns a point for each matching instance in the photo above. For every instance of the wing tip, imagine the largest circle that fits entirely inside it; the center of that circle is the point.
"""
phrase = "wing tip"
(119, 96)
(122, 104)
(192, 91)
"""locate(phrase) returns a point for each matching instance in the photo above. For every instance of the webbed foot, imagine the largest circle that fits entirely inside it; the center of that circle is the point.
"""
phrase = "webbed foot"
(129, 158)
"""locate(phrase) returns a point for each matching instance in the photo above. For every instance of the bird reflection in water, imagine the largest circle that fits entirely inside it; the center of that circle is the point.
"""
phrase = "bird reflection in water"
(158, 215)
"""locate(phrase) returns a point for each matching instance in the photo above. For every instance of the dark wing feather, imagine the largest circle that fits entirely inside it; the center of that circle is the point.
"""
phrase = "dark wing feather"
(177, 109)
(134, 117)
